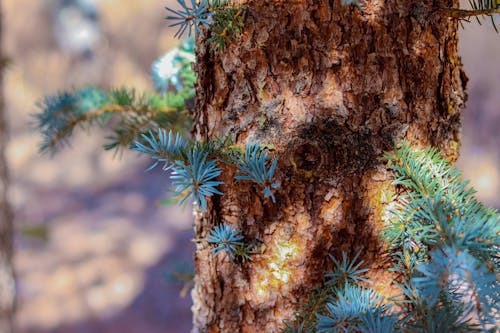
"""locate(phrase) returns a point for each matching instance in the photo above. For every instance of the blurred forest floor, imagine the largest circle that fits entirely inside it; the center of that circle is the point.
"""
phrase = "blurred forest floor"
(93, 246)
(100, 245)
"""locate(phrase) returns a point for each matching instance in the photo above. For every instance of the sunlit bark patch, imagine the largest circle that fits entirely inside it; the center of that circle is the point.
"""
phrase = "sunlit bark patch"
(278, 272)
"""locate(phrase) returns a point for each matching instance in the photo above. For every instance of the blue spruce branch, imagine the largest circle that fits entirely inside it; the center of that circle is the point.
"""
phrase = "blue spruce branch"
(225, 238)
(462, 279)
(252, 166)
(220, 17)
(444, 245)
(346, 271)
(189, 17)
(135, 114)
(453, 260)
(351, 304)
(162, 147)
(196, 178)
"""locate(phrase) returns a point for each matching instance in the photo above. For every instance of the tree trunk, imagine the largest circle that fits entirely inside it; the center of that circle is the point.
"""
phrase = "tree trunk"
(332, 88)
(7, 286)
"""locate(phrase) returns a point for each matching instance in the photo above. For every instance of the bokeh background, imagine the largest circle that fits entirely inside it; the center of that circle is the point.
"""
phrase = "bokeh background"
(94, 249)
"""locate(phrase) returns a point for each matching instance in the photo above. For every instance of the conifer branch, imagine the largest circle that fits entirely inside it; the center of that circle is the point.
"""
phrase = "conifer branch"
(252, 166)
(128, 113)
(321, 311)
(445, 250)
(461, 14)
(455, 257)
(349, 309)
(226, 238)
(488, 8)
(220, 17)
(306, 319)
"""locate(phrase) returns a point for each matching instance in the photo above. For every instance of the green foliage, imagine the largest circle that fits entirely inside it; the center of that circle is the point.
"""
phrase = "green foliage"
(194, 165)
(378, 322)
(305, 320)
(193, 174)
(189, 17)
(225, 238)
(346, 271)
(138, 120)
(128, 112)
(353, 308)
(439, 208)
(478, 9)
(172, 71)
(227, 23)
(460, 278)
(319, 313)
(196, 178)
(125, 112)
(252, 166)
(221, 18)
(444, 246)
(448, 240)
(162, 147)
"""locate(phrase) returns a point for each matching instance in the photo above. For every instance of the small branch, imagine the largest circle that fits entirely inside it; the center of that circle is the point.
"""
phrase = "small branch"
(62, 133)
(461, 14)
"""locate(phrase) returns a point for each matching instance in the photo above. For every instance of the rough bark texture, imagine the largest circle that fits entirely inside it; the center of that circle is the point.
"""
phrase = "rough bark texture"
(7, 286)
(332, 88)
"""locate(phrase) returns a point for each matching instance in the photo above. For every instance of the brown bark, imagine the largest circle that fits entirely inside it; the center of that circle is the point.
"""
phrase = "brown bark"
(332, 88)
(7, 286)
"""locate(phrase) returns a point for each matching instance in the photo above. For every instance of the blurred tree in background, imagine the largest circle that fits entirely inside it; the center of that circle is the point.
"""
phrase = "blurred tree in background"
(7, 285)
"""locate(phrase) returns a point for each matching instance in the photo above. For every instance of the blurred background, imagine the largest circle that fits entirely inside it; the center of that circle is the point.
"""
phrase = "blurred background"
(94, 249)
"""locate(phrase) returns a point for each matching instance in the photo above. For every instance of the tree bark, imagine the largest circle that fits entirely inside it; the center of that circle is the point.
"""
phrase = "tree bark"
(7, 286)
(332, 88)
